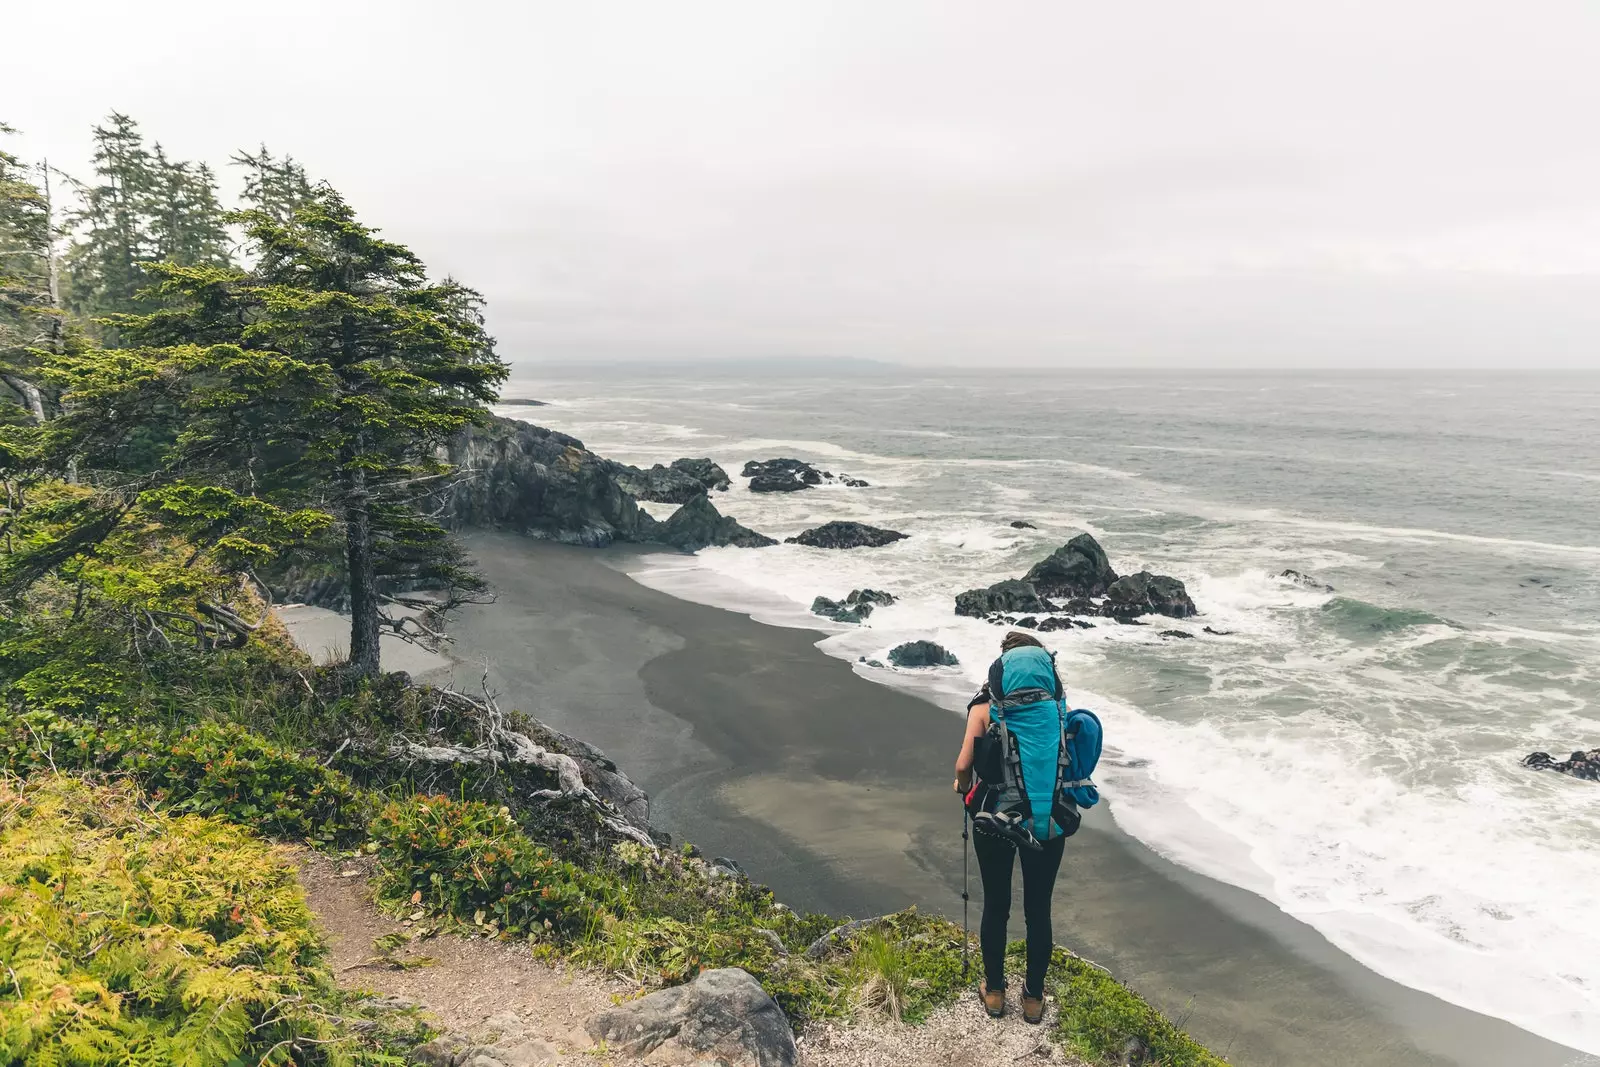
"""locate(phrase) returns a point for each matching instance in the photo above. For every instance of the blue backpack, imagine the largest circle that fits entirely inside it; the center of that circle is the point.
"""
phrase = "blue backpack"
(999, 801)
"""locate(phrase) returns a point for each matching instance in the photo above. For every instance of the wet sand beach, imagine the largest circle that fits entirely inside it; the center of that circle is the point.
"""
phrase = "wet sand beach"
(835, 791)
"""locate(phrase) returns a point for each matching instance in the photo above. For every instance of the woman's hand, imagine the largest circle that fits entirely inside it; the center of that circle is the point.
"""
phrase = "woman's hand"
(963, 781)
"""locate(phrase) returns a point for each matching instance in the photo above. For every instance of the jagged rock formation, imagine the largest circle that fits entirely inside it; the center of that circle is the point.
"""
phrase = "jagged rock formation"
(1081, 571)
(922, 654)
(1147, 594)
(723, 1016)
(1078, 568)
(708, 474)
(844, 534)
(854, 608)
(698, 524)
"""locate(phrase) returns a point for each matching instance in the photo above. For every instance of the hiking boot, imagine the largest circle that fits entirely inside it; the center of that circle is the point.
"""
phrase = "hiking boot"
(994, 1003)
(1032, 1009)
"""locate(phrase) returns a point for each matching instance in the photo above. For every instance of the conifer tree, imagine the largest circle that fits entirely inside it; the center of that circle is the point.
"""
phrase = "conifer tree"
(106, 266)
(186, 219)
(273, 186)
(326, 377)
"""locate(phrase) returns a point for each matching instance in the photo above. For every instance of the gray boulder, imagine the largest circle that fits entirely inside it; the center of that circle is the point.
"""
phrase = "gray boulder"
(843, 534)
(1078, 568)
(1147, 594)
(781, 475)
(723, 1016)
(855, 607)
(870, 596)
(1009, 595)
(698, 524)
(922, 654)
(1584, 765)
(1301, 578)
(1021, 524)
(539, 482)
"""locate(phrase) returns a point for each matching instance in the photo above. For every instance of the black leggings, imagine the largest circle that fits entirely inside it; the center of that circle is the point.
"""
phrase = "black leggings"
(1038, 884)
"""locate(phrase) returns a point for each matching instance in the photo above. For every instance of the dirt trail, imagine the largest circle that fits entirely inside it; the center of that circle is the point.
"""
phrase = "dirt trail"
(488, 989)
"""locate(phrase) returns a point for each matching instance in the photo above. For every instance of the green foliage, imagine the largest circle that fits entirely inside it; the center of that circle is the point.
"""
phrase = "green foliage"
(1099, 1015)
(134, 937)
(468, 860)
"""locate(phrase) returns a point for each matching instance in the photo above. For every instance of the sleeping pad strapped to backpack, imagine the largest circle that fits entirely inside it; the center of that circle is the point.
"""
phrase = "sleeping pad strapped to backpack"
(1034, 763)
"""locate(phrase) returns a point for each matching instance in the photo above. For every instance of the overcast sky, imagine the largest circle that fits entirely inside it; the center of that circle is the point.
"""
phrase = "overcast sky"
(1176, 182)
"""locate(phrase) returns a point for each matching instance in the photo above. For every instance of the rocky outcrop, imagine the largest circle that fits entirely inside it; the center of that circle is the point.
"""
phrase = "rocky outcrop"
(842, 534)
(791, 475)
(853, 608)
(708, 474)
(1010, 595)
(542, 483)
(1147, 594)
(545, 484)
(1078, 568)
(922, 654)
(723, 1016)
(698, 524)
(664, 485)
(1585, 765)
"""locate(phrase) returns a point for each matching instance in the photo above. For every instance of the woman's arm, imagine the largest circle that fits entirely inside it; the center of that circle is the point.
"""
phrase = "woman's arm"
(977, 723)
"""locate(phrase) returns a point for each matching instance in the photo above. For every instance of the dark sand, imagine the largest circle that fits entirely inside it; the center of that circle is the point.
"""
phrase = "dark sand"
(835, 791)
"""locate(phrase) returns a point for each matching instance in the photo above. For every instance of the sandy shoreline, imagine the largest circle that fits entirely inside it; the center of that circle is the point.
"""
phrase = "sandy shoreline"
(834, 790)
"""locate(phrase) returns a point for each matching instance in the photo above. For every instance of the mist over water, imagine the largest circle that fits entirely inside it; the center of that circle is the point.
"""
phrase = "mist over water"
(1350, 755)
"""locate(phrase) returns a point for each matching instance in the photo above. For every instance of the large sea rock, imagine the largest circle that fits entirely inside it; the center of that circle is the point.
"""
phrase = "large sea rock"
(662, 484)
(542, 483)
(844, 534)
(922, 654)
(699, 524)
(1078, 568)
(791, 475)
(1147, 594)
(1012, 595)
(722, 1017)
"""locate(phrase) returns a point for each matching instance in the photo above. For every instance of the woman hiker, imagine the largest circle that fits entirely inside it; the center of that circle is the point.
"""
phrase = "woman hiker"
(1024, 665)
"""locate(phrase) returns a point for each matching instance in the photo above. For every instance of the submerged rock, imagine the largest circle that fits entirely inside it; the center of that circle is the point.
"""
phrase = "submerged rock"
(698, 524)
(1018, 524)
(1301, 578)
(853, 608)
(1058, 623)
(1147, 594)
(722, 1016)
(1009, 595)
(1078, 568)
(1585, 765)
(844, 534)
(922, 654)
(1185, 634)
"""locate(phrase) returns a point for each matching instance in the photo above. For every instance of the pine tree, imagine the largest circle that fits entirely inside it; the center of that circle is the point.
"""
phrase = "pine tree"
(106, 268)
(186, 219)
(327, 377)
(273, 186)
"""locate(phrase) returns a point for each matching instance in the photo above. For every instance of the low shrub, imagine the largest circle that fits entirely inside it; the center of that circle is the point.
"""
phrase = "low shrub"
(470, 861)
(1100, 1016)
(132, 936)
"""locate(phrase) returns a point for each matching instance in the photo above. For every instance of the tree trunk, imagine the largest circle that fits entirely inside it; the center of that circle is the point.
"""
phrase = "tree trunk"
(363, 580)
(30, 394)
(54, 269)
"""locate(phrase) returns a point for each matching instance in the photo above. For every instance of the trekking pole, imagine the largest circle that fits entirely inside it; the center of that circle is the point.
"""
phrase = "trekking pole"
(966, 883)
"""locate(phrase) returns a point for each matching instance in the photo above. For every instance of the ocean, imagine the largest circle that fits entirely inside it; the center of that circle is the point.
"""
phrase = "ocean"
(1353, 755)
